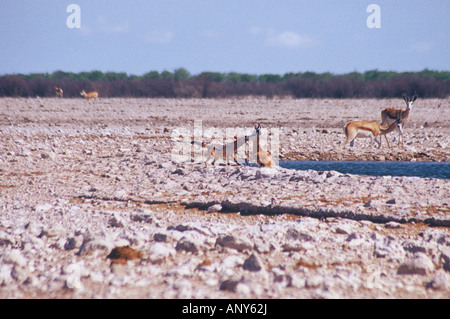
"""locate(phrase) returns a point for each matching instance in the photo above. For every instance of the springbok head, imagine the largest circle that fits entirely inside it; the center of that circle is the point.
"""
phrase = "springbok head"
(258, 129)
(409, 99)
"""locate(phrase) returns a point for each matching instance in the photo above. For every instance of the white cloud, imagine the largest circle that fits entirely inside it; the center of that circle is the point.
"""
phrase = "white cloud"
(421, 46)
(104, 26)
(210, 34)
(256, 31)
(158, 36)
(119, 28)
(289, 39)
(85, 30)
(285, 39)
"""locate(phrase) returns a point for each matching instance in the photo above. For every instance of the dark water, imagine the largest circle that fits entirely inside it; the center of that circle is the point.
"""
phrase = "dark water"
(419, 169)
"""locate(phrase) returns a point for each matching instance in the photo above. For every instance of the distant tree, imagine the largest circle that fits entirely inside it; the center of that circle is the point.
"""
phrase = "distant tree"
(212, 76)
(181, 74)
(303, 88)
(95, 75)
(371, 75)
(13, 85)
(38, 86)
(355, 76)
(270, 78)
(151, 75)
(166, 75)
(239, 77)
(60, 75)
(112, 76)
(180, 83)
(308, 75)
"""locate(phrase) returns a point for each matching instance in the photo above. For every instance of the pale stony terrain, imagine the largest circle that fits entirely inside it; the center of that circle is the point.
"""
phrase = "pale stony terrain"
(80, 178)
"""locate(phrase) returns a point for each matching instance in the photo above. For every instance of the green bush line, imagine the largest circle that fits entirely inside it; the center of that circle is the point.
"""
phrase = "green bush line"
(181, 83)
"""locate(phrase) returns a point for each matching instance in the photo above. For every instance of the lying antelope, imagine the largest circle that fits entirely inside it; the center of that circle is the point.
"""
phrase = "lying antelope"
(263, 157)
(58, 91)
(370, 129)
(226, 151)
(390, 115)
(90, 95)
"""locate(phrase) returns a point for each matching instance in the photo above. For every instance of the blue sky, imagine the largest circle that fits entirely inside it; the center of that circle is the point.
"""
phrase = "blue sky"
(246, 36)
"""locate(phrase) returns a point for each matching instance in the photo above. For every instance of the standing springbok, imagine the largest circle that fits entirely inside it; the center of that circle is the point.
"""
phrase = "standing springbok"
(356, 129)
(390, 115)
(90, 95)
(263, 157)
(227, 151)
(59, 92)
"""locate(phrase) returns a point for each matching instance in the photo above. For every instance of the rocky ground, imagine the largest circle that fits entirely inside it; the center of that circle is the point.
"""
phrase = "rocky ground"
(93, 205)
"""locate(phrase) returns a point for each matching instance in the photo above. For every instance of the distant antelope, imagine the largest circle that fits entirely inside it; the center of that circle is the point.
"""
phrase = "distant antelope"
(59, 91)
(263, 157)
(390, 115)
(90, 95)
(370, 129)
